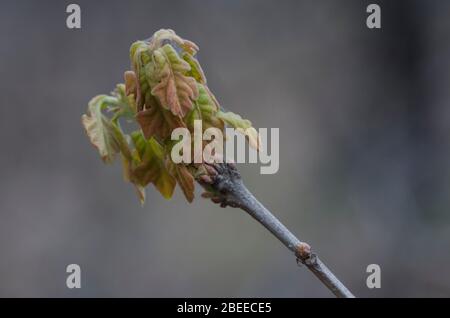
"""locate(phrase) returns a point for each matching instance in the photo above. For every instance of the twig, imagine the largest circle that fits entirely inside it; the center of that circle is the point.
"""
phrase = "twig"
(224, 186)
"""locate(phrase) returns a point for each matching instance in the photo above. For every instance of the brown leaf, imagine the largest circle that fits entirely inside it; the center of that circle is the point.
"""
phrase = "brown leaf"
(130, 83)
(158, 121)
(184, 178)
(176, 93)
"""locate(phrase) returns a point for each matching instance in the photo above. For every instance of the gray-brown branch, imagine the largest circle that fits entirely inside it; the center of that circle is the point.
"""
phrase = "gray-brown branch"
(224, 185)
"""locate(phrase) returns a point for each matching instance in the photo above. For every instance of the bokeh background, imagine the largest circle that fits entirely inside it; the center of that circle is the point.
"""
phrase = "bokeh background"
(364, 173)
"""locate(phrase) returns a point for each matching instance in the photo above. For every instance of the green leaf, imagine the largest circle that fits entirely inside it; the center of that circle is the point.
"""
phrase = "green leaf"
(205, 109)
(106, 134)
(196, 70)
(151, 167)
(140, 56)
(244, 126)
(100, 130)
(234, 120)
(124, 105)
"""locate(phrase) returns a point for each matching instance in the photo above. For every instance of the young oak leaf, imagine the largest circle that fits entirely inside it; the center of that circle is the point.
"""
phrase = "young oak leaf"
(196, 70)
(106, 134)
(140, 56)
(175, 91)
(157, 121)
(244, 126)
(150, 68)
(184, 178)
(205, 109)
(125, 104)
(151, 168)
(100, 130)
(128, 165)
(131, 83)
(163, 36)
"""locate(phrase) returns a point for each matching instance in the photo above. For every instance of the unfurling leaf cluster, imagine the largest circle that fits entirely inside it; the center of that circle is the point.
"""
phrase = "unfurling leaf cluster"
(165, 89)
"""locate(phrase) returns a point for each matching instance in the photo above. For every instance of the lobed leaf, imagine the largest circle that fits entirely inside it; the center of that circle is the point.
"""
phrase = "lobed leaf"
(184, 178)
(244, 126)
(157, 121)
(196, 70)
(151, 167)
(175, 91)
(100, 130)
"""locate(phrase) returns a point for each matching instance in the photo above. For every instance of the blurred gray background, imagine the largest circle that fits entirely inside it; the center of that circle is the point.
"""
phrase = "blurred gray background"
(364, 173)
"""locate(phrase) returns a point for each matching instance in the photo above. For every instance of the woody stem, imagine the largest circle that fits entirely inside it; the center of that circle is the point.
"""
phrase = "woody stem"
(229, 190)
